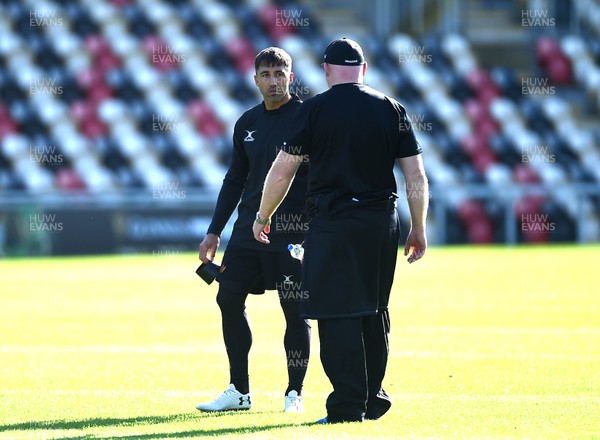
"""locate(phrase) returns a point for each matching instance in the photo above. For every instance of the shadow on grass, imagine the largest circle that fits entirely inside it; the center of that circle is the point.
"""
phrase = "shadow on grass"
(99, 422)
(192, 433)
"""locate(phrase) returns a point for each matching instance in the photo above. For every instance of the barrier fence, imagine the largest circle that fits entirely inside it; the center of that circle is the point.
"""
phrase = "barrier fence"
(166, 222)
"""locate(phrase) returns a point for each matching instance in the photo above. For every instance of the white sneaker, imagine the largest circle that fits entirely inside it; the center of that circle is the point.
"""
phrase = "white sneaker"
(293, 403)
(231, 399)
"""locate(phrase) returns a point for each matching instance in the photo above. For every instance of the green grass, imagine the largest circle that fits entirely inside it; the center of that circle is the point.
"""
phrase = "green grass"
(486, 343)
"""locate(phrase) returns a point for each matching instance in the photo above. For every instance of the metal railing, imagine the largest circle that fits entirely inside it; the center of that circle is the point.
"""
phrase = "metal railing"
(419, 17)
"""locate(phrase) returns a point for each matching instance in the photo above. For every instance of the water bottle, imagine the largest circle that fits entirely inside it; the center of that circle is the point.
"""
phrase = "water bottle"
(296, 251)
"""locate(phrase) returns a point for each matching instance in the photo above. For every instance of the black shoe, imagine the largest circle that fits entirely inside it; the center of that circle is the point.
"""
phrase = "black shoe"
(327, 420)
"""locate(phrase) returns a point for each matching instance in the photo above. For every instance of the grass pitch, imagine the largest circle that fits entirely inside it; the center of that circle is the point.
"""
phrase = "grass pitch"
(499, 342)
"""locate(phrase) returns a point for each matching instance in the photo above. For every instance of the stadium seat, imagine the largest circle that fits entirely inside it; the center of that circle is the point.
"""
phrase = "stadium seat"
(480, 231)
(524, 174)
(7, 124)
(546, 49)
(68, 179)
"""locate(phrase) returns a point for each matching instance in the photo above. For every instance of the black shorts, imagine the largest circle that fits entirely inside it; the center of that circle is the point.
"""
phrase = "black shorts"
(253, 271)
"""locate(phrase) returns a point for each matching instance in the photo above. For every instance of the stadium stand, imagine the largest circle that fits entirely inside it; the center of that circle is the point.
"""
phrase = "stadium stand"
(111, 95)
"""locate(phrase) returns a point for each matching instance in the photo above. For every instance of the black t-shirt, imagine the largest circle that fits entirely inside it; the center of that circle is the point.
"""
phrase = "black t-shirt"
(352, 134)
(257, 138)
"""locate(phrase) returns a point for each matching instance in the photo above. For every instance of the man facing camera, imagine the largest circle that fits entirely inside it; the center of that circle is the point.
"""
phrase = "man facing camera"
(249, 266)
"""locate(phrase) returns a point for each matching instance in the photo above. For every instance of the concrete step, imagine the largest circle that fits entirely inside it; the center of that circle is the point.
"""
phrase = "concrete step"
(510, 54)
(474, 14)
(487, 36)
(336, 18)
(496, 38)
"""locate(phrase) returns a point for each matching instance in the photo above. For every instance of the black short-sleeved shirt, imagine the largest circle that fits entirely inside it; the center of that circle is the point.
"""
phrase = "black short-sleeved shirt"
(352, 134)
(258, 136)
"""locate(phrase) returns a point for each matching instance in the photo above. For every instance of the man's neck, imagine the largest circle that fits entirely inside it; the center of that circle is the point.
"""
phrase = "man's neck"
(275, 105)
(345, 81)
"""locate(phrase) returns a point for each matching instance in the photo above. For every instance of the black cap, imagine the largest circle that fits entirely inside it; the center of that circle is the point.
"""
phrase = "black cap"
(344, 52)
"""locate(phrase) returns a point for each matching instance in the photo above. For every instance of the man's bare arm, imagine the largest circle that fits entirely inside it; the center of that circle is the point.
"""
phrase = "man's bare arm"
(417, 195)
(277, 184)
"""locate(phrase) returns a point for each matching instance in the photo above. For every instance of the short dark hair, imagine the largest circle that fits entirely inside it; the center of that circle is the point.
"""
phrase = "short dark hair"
(272, 56)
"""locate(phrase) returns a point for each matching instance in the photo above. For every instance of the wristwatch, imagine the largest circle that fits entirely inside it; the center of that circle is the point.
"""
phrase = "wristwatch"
(260, 221)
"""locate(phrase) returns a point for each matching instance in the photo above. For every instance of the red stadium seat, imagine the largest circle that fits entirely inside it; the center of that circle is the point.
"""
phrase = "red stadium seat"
(527, 206)
(474, 144)
(560, 71)
(82, 110)
(86, 115)
(99, 93)
(87, 79)
(121, 3)
(67, 178)
(274, 20)
(241, 51)
(536, 231)
(480, 231)
(486, 127)
(93, 128)
(475, 110)
(211, 128)
(533, 224)
(470, 210)
(106, 61)
(483, 160)
(488, 93)
(546, 48)
(7, 124)
(477, 223)
(525, 174)
(479, 79)
(95, 44)
(199, 110)
(160, 54)
(206, 121)
(483, 123)
(7, 127)
(104, 58)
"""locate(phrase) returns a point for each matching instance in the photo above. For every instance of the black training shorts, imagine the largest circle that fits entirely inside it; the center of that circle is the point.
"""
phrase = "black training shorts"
(254, 271)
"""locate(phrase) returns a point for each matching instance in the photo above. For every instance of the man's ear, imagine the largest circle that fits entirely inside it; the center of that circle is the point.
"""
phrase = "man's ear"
(255, 80)
(364, 69)
(291, 77)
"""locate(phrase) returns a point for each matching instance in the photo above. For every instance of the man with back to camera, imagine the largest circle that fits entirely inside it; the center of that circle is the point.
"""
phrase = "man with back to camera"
(353, 135)
(251, 267)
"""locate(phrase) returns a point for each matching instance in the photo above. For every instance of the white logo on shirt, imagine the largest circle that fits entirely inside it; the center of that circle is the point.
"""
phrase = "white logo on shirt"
(249, 137)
